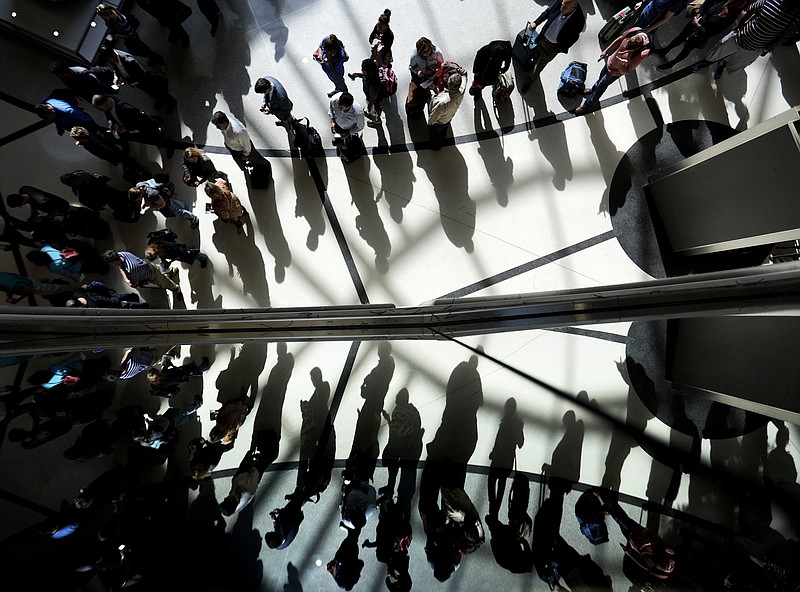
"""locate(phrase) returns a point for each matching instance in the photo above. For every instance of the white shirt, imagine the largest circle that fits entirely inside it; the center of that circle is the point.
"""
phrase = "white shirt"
(236, 136)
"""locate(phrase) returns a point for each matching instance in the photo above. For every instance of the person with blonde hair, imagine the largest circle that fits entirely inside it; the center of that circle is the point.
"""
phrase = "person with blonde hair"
(225, 204)
(198, 167)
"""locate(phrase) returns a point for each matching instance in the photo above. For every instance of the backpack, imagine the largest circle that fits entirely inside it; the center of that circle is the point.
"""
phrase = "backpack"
(388, 80)
(70, 253)
(307, 139)
(165, 234)
(573, 80)
(502, 89)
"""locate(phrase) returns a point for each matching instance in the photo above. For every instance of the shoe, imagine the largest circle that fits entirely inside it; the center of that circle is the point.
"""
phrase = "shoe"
(179, 296)
(580, 111)
(667, 66)
(332, 92)
(195, 224)
(203, 259)
(720, 69)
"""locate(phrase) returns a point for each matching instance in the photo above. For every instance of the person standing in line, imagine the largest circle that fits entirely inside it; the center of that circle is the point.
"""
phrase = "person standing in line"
(374, 90)
(129, 71)
(765, 25)
(563, 22)
(136, 271)
(237, 140)
(155, 196)
(426, 59)
(622, 56)
(86, 82)
(198, 167)
(444, 105)
(64, 115)
(331, 56)
(381, 40)
(347, 116)
(492, 59)
(120, 27)
(276, 102)
(226, 204)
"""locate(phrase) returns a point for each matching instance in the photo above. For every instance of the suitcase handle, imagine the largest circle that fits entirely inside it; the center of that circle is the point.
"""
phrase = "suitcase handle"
(528, 32)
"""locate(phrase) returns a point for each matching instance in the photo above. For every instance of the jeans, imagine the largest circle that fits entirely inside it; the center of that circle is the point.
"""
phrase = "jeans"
(176, 207)
(599, 88)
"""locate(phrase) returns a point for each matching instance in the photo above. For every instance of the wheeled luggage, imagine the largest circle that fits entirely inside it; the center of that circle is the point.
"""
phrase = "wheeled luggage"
(524, 44)
(307, 139)
(617, 24)
(351, 149)
(260, 174)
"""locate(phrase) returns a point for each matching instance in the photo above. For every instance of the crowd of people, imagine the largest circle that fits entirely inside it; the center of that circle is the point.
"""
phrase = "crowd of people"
(437, 86)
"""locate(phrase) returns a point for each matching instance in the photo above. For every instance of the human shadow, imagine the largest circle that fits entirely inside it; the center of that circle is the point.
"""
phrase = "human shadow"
(231, 59)
(243, 369)
(264, 206)
(733, 89)
(509, 541)
(786, 61)
(448, 174)
(499, 167)
(510, 436)
(368, 221)
(611, 161)
(373, 392)
(293, 583)
(270, 407)
(397, 181)
(244, 260)
(271, 13)
(404, 447)
(244, 566)
(308, 204)
(566, 460)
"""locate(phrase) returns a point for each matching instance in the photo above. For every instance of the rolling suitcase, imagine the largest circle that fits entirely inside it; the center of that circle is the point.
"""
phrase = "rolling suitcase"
(523, 48)
(617, 24)
(260, 174)
(307, 139)
(351, 150)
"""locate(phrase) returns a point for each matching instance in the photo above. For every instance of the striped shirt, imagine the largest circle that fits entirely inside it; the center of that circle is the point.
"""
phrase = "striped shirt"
(121, 26)
(770, 19)
(135, 268)
(136, 361)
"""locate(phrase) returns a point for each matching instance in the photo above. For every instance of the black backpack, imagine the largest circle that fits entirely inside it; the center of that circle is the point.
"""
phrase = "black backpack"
(307, 139)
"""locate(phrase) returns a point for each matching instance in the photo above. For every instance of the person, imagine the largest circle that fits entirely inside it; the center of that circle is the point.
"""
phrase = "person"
(126, 121)
(374, 91)
(276, 102)
(161, 431)
(381, 39)
(229, 418)
(94, 192)
(97, 295)
(158, 196)
(135, 271)
(492, 59)
(73, 261)
(623, 55)
(766, 24)
(712, 19)
(347, 116)
(42, 203)
(18, 287)
(65, 115)
(86, 82)
(444, 105)
(426, 59)
(198, 167)
(167, 381)
(658, 12)
(225, 204)
(120, 27)
(163, 244)
(236, 138)
(129, 71)
(100, 145)
(563, 22)
(169, 14)
(331, 56)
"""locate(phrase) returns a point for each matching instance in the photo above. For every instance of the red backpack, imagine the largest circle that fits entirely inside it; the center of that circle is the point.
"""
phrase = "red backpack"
(388, 80)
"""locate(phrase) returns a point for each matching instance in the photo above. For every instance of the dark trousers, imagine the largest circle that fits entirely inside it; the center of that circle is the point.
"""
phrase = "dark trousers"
(438, 132)
(238, 156)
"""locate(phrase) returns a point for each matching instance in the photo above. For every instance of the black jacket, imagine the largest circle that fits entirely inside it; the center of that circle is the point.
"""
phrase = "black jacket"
(490, 61)
(571, 30)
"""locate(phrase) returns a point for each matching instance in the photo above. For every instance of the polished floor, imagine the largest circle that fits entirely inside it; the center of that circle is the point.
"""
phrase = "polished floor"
(518, 203)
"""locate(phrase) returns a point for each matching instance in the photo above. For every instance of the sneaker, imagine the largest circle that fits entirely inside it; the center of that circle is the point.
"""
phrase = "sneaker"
(332, 92)
(203, 259)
